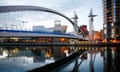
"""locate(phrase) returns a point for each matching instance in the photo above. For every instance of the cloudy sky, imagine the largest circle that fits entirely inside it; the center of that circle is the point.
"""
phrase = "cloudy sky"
(66, 7)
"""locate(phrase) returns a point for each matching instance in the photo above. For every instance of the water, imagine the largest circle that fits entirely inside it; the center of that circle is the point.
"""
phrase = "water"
(91, 59)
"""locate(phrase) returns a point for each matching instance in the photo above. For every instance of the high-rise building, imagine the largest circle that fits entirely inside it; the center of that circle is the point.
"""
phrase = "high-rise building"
(111, 26)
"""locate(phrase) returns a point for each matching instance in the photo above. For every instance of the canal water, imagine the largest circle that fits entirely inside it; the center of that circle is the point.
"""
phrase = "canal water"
(91, 59)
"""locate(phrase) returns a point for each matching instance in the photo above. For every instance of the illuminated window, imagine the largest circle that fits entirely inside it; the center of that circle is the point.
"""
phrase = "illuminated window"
(112, 24)
(104, 25)
(113, 31)
(105, 31)
(62, 39)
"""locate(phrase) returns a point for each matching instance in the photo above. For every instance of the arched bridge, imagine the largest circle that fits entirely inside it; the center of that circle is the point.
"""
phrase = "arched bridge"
(4, 9)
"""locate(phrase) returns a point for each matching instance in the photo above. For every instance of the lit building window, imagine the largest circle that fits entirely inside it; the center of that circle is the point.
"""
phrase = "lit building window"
(112, 24)
(104, 25)
(112, 35)
(113, 31)
(62, 39)
(105, 31)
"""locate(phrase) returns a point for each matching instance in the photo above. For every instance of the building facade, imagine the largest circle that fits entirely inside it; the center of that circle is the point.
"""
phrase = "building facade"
(58, 27)
(40, 28)
(111, 26)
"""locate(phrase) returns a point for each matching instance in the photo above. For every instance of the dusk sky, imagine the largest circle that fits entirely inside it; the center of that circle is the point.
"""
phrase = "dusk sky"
(66, 7)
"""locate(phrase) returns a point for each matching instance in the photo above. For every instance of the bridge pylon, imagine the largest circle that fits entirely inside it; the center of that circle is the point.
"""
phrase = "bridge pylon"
(75, 20)
(91, 26)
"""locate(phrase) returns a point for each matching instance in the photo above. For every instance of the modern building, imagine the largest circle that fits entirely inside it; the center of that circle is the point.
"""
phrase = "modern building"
(58, 27)
(40, 28)
(111, 26)
(11, 26)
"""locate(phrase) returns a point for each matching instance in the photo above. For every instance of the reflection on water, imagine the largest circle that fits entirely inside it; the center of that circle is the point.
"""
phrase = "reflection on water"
(27, 58)
(112, 59)
(104, 59)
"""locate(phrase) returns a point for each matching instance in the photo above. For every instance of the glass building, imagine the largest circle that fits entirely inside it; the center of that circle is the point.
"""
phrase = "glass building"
(111, 26)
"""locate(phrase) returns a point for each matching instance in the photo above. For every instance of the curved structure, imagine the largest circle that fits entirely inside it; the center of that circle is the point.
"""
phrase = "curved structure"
(4, 9)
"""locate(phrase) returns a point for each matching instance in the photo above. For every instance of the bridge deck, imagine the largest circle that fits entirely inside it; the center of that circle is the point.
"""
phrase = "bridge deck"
(16, 33)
